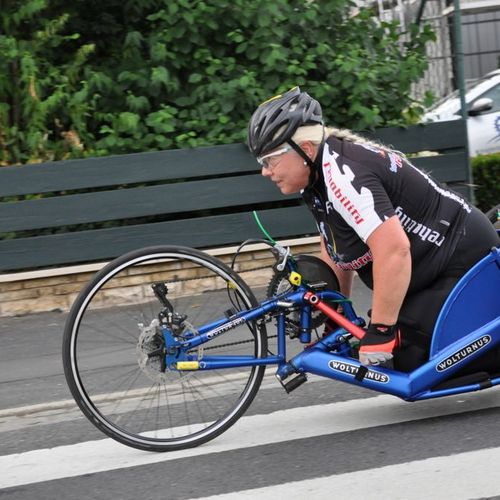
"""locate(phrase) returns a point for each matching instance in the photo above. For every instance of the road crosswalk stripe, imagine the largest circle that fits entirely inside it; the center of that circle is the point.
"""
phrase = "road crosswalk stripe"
(54, 412)
(467, 475)
(284, 425)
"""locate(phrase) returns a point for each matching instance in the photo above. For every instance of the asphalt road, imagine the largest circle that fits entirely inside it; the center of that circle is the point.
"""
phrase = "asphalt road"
(324, 440)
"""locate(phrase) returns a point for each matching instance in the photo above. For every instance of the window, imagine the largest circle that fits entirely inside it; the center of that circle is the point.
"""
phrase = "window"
(494, 95)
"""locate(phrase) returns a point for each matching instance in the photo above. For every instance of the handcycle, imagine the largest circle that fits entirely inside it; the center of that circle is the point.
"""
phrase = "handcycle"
(167, 346)
(494, 216)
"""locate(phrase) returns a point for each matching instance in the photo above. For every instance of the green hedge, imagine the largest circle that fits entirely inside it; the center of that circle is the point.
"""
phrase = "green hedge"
(92, 78)
(486, 174)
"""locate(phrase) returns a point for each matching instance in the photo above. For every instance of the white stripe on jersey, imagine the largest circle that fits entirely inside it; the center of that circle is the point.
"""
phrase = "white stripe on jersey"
(357, 209)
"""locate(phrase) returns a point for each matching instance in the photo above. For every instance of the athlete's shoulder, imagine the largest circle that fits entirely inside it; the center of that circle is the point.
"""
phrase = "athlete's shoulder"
(365, 152)
(333, 145)
(353, 151)
(388, 161)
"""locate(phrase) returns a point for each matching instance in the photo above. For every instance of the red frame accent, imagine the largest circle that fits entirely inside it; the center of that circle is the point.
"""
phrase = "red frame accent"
(317, 303)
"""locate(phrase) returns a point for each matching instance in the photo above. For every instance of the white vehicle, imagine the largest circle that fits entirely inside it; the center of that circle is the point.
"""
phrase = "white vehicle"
(483, 109)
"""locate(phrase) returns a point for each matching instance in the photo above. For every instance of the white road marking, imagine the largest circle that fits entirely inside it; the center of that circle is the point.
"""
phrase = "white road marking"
(284, 425)
(463, 476)
(21, 417)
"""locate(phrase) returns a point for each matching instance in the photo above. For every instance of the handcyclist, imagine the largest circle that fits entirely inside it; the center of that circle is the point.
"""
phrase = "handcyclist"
(409, 238)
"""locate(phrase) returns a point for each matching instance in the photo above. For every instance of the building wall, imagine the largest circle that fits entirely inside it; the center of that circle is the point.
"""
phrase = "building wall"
(57, 289)
(438, 77)
(481, 40)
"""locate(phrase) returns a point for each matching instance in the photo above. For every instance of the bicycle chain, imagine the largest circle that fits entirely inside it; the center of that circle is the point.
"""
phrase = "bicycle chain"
(247, 341)
(269, 319)
(240, 341)
(233, 343)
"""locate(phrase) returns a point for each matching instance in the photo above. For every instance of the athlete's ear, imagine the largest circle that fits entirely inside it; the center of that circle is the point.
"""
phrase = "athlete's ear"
(309, 149)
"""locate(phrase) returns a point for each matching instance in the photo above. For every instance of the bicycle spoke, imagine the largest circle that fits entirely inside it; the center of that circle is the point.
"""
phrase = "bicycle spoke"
(128, 391)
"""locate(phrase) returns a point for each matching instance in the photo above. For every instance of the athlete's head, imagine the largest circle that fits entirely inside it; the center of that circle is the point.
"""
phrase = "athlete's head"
(275, 121)
(283, 134)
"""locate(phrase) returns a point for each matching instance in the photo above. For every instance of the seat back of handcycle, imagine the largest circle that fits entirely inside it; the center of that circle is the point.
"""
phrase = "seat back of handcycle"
(474, 302)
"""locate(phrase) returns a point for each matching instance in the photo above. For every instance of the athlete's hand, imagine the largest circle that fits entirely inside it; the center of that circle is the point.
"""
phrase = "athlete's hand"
(377, 346)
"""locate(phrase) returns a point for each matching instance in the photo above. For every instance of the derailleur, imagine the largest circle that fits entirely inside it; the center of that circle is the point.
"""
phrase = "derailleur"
(151, 351)
(160, 341)
(168, 316)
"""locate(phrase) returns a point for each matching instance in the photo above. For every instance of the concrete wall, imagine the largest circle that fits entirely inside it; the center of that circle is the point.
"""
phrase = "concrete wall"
(56, 289)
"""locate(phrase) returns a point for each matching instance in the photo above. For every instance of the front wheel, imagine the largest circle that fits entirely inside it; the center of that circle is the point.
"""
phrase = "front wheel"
(112, 340)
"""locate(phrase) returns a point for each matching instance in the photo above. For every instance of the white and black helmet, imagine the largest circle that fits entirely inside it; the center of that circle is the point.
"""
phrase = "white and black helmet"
(276, 120)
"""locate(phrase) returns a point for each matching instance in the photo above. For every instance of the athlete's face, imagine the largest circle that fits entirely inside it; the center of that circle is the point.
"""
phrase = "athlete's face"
(287, 171)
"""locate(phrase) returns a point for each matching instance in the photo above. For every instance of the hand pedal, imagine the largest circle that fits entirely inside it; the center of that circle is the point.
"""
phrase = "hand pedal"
(319, 286)
(295, 382)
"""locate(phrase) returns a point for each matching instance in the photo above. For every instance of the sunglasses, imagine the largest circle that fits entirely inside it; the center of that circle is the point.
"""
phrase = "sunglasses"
(272, 159)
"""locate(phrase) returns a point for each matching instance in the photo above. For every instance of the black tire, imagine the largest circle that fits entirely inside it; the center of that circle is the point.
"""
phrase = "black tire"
(313, 270)
(494, 216)
(120, 386)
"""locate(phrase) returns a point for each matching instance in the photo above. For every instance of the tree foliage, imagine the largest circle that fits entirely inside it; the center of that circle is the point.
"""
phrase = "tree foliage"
(96, 78)
(486, 176)
(43, 97)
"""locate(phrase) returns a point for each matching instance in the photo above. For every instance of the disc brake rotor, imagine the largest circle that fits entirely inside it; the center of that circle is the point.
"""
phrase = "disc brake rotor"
(150, 350)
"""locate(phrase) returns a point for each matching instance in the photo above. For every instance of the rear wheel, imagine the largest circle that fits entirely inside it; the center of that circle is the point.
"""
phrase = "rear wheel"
(494, 216)
(112, 343)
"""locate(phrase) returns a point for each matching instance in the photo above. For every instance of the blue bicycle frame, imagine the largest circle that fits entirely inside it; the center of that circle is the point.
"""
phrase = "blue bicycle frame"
(467, 327)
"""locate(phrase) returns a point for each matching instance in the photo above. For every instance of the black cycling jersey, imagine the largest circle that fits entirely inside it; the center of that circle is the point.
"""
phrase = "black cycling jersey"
(360, 186)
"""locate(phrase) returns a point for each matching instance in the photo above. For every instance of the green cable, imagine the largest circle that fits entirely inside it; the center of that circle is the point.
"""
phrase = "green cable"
(262, 228)
(268, 236)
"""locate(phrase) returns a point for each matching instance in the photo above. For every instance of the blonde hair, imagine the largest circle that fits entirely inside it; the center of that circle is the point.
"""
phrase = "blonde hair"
(314, 134)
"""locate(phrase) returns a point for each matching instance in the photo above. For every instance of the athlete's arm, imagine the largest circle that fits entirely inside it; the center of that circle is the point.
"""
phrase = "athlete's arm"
(390, 249)
(345, 277)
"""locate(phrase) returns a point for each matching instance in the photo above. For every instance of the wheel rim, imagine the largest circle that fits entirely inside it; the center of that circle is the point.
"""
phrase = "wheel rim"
(119, 389)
